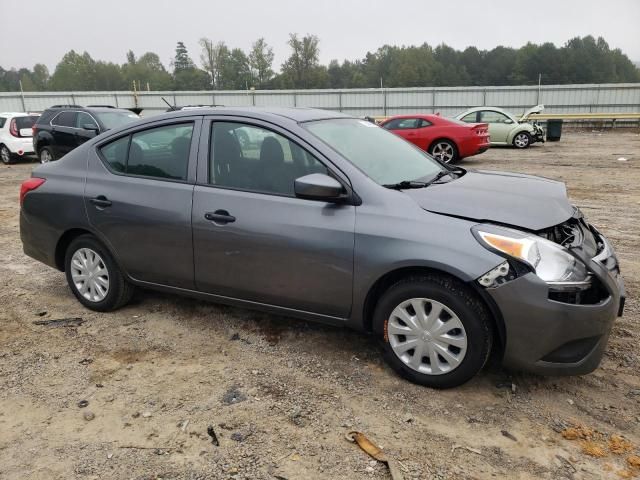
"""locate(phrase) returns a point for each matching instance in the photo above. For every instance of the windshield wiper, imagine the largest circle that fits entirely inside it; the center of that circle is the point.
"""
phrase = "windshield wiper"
(438, 176)
(405, 185)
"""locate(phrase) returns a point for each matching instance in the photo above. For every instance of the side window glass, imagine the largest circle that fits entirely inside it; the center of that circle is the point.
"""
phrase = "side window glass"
(470, 118)
(2, 121)
(489, 116)
(424, 123)
(161, 152)
(115, 153)
(256, 159)
(83, 119)
(65, 119)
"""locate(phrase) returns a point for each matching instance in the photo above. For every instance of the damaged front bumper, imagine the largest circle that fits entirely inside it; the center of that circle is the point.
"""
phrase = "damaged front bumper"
(556, 334)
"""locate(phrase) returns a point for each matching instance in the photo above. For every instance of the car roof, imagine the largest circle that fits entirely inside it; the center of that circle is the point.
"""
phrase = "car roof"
(18, 114)
(297, 114)
(426, 116)
(494, 109)
(88, 109)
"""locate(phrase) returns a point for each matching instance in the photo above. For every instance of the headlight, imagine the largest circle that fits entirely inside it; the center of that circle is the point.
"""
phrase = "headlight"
(550, 261)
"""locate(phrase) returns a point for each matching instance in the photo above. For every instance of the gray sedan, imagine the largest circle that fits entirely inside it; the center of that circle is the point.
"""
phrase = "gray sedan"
(324, 217)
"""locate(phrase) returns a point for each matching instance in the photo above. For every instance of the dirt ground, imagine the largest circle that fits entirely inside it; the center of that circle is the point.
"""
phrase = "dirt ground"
(281, 394)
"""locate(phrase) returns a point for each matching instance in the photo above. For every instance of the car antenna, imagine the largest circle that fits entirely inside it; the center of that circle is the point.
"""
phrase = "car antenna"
(172, 107)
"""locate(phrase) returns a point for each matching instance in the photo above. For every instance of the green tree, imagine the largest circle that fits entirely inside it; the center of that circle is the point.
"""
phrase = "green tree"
(261, 62)
(74, 72)
(300, 70)
(182, 60)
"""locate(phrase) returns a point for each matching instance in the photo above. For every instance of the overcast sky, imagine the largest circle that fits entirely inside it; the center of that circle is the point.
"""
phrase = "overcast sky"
(41, 31)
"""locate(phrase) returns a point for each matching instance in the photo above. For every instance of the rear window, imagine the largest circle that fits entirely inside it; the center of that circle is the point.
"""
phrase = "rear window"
(65, 119)
(112, 120)
(25, 122)
(2, 121)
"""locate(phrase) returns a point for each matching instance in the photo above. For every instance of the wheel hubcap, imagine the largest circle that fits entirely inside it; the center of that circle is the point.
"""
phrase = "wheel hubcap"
(6, 156)
(45, 156)
(89, 274)
(427, 336)
(443, 152)
(521, 140)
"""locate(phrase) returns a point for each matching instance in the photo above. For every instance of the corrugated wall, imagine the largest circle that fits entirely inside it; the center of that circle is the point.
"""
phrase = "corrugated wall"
(390, 101)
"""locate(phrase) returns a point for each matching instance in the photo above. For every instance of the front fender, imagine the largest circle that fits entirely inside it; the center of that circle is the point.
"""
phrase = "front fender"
(524, 127)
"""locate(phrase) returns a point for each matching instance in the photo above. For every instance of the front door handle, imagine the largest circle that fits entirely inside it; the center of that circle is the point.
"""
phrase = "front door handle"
(101, 201)
(221, 217)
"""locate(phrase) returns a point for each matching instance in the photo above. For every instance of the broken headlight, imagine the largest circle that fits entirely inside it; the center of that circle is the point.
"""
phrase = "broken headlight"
(550, 261)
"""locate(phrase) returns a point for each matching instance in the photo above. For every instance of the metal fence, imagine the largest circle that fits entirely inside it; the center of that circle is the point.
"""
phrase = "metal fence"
(609, 98)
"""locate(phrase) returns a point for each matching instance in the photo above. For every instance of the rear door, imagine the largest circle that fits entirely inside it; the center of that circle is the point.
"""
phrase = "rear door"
(63, 130)
(253, 239)
(138, 198)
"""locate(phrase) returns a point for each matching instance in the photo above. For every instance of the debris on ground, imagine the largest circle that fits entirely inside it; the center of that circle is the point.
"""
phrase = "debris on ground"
(375, 452)
(464, 447)
(61, 322)
(619, 445)
(233, 395)
(212, 433)
(505, 433)
(83, 403)
(88, 416)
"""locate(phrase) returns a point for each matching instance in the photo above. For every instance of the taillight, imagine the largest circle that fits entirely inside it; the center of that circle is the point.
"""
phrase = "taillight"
(33, 131)
(29, 185)
(13, 128)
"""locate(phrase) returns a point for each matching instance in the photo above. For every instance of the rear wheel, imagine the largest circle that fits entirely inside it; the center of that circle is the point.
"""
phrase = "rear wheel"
(522, 140)
(94, 277)
(444, 150)
(5, 155)
(435, 331)
(45, 155)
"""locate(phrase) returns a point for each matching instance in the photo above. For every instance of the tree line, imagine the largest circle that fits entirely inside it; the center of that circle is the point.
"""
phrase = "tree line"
(220, 67)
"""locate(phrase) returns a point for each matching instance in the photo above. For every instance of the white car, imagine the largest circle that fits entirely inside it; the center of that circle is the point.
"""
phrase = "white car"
(506, 128)
(16, 136)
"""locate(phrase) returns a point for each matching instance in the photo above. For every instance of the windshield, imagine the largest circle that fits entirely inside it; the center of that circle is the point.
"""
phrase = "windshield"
(383, 156)
(116, 119)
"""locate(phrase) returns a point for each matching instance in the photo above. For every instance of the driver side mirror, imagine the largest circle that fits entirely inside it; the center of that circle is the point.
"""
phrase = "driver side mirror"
(318, 186)
(92, 127)
(508, 121)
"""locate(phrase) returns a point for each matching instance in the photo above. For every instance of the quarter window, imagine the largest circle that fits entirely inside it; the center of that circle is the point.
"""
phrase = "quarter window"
(252, 158)
(161, 152)
(65, 119)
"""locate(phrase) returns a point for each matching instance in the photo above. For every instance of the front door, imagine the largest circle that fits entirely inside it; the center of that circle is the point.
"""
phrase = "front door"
(499, 125)
(86, 128)
(138, 198)
(253, 239)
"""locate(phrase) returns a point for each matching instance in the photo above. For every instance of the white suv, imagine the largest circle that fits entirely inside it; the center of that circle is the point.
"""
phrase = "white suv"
(16, 135)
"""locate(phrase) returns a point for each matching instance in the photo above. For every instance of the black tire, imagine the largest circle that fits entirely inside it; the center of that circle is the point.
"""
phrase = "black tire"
(119, 291)
(440, 143)
(460, 299)
(525, 140)
(44, 151)
(5, 155)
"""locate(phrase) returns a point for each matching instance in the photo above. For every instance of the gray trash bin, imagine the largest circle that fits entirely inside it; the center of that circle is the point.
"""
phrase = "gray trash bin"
(554, 130)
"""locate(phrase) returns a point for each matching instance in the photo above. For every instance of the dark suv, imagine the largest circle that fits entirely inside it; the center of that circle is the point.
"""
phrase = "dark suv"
(62, 128)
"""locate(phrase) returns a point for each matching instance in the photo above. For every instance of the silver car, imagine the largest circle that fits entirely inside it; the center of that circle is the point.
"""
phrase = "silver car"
(332, 219)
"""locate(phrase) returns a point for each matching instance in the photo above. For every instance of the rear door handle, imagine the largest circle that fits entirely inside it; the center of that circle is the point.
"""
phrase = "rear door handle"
(221, 217)
(101, 201)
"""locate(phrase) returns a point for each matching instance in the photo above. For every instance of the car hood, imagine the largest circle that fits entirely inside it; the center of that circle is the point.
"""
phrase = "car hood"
(531, 111)
(524, 201)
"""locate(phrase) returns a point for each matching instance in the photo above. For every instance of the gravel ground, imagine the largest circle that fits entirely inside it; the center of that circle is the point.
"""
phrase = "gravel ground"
(280, 394)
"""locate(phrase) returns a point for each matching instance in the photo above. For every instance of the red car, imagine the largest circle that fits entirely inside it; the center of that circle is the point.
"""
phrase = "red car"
(445, 139)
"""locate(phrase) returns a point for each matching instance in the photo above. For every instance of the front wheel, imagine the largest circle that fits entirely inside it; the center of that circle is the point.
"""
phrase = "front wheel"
(445, 151)
(436, 332)
(45, 155)
(5, 155)
(94, 277)
(522, 140)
